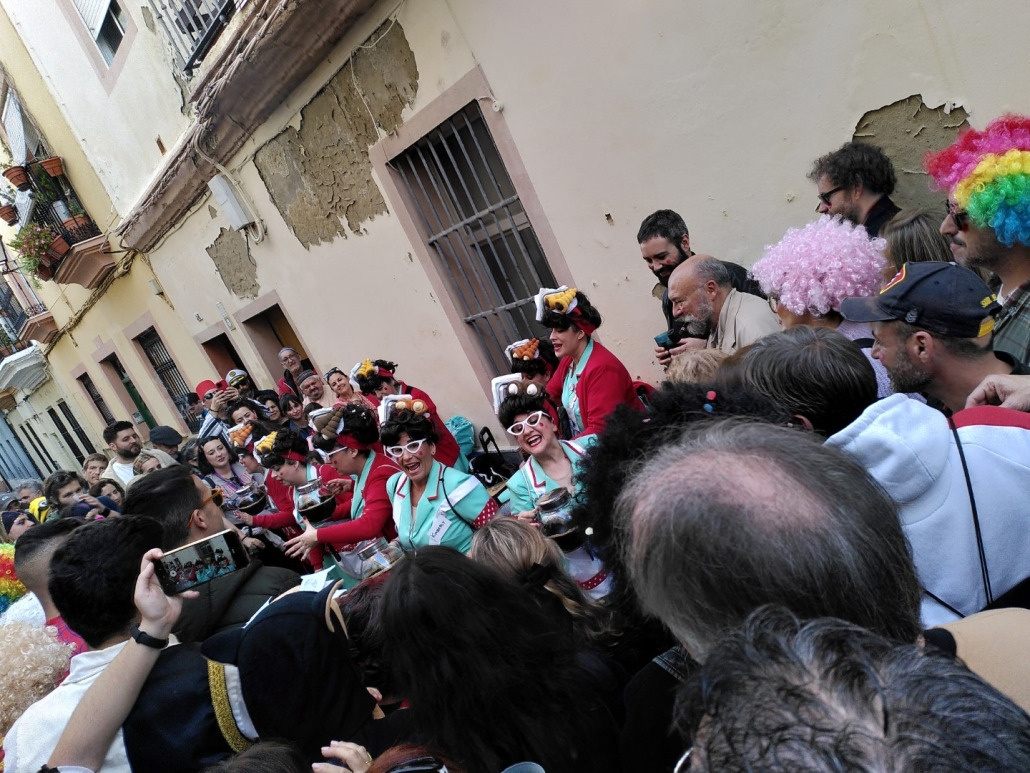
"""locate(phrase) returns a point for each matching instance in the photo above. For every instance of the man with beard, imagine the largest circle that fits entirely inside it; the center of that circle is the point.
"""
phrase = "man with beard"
(932, 326)
(855, 182)
(705, 302)
(121, 438)
(664, 244)
(987, 177)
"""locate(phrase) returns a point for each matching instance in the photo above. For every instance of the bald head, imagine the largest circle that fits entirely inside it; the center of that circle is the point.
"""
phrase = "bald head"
(697, 289)
(736, 515)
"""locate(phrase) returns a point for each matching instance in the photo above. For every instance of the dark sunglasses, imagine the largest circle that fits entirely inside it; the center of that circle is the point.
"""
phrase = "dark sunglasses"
(825, 197)
(330, 372)
(420, 765)
(960, 216)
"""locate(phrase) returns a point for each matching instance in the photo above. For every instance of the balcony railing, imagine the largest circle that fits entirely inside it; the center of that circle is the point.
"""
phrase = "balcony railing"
(193, 26)
(57, 207)
(12, 311)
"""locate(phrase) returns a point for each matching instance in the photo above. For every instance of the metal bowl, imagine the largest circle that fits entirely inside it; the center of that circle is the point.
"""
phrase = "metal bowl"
(320, 512)
(254, 506)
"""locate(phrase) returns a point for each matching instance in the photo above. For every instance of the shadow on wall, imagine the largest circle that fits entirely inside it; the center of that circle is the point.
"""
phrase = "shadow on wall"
(906, 130)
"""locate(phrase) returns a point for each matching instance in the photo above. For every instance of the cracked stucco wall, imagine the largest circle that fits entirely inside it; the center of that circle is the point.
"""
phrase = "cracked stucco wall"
(320, 174)
(232, 260)
(906, 130)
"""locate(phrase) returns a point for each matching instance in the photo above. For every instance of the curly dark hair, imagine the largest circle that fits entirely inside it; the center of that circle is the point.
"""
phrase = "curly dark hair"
(418, 427)
(664, 223)
(552, 319)
(628, 439)
(854, 163)
(513, 405)
(285, 441)
(543, 365)
(358, 421)
(370, 383)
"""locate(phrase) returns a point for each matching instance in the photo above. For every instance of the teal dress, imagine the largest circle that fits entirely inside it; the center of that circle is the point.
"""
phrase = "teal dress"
(569, 398)
(453, 505)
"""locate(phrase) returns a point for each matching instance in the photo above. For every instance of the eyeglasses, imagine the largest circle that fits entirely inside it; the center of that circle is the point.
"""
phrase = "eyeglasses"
(825, 197)
(960, 216)
(420, 765)
(215, 496)
(533, 420)
(330, 372)
(412, 448)
(774, 302)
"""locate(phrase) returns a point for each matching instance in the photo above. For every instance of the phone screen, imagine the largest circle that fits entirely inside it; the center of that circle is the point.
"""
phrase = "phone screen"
(200, 562)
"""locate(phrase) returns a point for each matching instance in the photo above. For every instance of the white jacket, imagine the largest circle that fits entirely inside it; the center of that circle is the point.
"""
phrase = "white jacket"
(911, 451)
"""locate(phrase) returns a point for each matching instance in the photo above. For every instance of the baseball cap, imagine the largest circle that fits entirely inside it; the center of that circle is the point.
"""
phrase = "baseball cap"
(235, 377)
(206, 386)
(165, 436)
(944, 298)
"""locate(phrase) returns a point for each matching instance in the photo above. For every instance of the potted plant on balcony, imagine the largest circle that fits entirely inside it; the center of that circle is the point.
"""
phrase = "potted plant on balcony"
(53, 165)
(18, 176)
(77, 217)
(39, 249)
(7, 209)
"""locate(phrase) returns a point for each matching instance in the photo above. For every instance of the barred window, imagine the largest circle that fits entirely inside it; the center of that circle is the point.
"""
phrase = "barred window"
(97, 398)
(175, 385)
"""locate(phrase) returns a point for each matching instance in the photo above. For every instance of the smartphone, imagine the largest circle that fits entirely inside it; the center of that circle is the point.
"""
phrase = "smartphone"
(200, 562)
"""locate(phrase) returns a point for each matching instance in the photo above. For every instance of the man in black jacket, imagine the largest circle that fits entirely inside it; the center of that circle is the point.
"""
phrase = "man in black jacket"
(855, 182)
(184, 506)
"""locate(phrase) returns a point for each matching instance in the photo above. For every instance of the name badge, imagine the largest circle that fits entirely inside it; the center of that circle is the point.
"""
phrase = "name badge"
(441, 523)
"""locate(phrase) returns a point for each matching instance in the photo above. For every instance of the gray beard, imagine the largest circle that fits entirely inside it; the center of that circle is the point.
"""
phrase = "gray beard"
(906, 377)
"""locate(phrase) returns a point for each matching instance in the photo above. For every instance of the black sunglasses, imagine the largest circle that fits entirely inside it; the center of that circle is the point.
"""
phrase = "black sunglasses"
(960, 216)
(330, 372)
(825, 197)
(420, 765)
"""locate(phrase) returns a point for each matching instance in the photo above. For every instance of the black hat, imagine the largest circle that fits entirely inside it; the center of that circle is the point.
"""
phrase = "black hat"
(944, 298)
(165, 436)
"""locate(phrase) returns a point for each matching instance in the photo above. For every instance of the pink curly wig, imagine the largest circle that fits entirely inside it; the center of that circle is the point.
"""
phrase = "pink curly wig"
(816, 267)
(987, 173)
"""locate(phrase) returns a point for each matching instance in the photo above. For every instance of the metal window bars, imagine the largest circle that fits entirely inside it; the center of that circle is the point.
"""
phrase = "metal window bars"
(478, 228)
(175, 385)
(66, 435)
(76, 427)
(97, 398)
(193, 26)
(12, 311)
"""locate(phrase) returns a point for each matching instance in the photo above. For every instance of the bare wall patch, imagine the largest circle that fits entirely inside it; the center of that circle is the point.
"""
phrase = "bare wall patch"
(230, 256)
(320, 174)
(906, 129)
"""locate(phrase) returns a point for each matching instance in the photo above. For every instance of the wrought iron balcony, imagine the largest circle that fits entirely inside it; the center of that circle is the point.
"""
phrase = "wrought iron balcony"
(193, 26)
(57, 207)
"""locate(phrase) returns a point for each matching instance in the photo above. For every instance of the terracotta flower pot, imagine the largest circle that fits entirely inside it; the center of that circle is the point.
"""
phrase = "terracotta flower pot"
(54, 166)
(58, 248)
(74, 222)
(18, 177)
(44, 272)
(9, 214)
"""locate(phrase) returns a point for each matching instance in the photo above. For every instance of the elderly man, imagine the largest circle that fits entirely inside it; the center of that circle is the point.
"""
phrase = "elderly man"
(855, 182)
(705, 301)
(988, 218)
(932, 326)
(293, 365)
(313, 389)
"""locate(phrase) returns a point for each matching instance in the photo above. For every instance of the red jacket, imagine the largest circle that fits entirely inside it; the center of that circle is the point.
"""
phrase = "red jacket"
(376, 518)
(603, 384)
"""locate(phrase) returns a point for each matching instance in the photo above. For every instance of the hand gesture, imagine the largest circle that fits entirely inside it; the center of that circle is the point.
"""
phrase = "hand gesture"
(1006, 391)
(299, 546)
(356, 759)
(158, 611)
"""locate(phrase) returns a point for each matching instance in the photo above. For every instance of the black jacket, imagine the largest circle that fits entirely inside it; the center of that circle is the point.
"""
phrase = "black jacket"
(881, 213)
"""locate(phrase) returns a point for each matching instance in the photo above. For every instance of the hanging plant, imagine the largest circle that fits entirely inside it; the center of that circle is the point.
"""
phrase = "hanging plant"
(37, 247)
(18, 177)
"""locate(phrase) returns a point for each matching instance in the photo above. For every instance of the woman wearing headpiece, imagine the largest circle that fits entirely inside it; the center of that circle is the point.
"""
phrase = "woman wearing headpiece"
(433, 504)
(590, 381)
(346, 390)
(535, 361)
(551, 464)
(376, 379)
(349, 435)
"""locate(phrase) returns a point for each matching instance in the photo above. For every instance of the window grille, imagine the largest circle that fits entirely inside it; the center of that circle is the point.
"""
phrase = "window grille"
(87, 444)
(193, 26)
(41, 450)
(97, 398)
(68, 440)
(156, 351)
(479, 232)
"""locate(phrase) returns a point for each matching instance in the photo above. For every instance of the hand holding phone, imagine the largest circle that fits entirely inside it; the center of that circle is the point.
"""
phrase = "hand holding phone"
(200, 562)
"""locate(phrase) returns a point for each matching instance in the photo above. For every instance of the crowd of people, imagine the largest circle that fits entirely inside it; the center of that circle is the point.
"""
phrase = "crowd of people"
(806, 550)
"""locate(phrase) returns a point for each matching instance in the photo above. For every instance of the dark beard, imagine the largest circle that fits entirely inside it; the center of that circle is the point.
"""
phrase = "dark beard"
(906, 377)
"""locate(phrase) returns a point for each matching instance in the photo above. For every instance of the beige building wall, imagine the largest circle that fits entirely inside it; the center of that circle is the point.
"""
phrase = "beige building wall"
(612, 110)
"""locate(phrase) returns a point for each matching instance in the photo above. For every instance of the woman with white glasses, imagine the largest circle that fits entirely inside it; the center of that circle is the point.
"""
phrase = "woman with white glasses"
(432, 504)
(551, 464)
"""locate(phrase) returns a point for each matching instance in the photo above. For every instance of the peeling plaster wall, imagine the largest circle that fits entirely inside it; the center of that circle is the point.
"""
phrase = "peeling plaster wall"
(906, 130)
(232, 260)
(320, 174)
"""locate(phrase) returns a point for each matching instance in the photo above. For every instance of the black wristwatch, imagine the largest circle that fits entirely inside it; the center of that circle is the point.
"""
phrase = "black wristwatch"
(146, 639)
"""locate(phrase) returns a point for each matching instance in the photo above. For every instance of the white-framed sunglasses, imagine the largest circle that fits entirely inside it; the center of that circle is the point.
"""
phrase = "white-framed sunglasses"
(412, 448)
(533, 420)
(684, 762)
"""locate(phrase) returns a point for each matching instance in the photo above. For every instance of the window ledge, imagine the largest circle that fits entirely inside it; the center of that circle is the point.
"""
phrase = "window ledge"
(277, 45)
(87, 264)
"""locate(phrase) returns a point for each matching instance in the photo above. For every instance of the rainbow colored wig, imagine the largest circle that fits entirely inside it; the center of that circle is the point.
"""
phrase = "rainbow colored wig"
(11, 588)
(987, 173)
(816, 267)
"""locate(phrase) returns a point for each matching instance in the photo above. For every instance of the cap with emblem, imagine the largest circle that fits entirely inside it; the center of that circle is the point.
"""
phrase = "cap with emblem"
(236, 377)
(944, 298)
